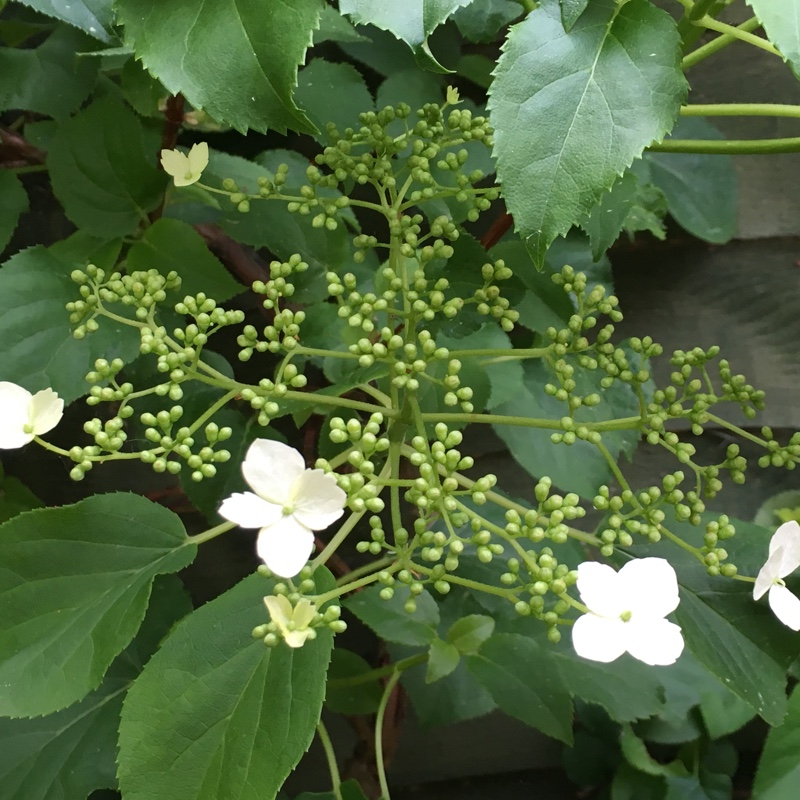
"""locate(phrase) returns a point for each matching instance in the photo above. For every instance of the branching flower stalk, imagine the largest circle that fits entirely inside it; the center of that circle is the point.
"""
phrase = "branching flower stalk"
(399, 431)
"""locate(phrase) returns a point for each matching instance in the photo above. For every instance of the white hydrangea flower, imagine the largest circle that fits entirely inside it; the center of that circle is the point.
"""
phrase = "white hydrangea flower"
(289, 503)
(185, 169)
(292, 622)
(24, 415)
(626, 612)
(784, 558)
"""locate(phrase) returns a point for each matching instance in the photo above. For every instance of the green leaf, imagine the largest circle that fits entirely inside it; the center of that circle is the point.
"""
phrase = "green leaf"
(357, 698)
(469, 633)
(94, 17)
(443, 658)
(142, 90)
(607, 218)
(413, 21)
(101, 171)
(15, 497)
(476, 68)
(37, 348)
(349, 790)
(700, 189)
(73, 752)
(333, 27)
(236, 61)
(380, 51)
(216, 712)
(389, 619)
(779, 768)
(482, 20)
(411, 86)
(319, 82)
(627, 689)
(48, 79)
(781, 21)
(579, 467)
(573, 110)
(169, 244)
(13, 202)
(524, 681)
(724, 713)
(74, 586)
(635, 752)
(571, 11)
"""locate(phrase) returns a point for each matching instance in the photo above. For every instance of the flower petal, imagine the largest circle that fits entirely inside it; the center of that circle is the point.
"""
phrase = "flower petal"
(304, 612)
(198, 158)
(786, 539)
(657, 642)
(175, 163)
(599, 589)
(318, 501)
(285, 546)
(271, 468)
(768, 574)
(297, 638)
(598, 639)
(248, 510)
(47, 408)
(15, 410)
(785, 606)
(280, 611)
(649, 587)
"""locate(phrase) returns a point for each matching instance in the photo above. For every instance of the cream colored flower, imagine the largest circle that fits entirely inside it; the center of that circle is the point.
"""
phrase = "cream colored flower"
(287, 503)
(185, 169)
(292, 622)
(626, 612)
(24, 415)
(784, 559)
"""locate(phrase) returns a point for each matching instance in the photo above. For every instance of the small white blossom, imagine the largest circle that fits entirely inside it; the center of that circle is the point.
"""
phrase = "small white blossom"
(24, 415)
(293, 623)
(784, 558)
(626, 612)
(185, 169)
(289, 503)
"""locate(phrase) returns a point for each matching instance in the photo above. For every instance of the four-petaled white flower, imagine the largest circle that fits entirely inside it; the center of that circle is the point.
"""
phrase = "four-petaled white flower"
(626, 612)
(185, 169)
(24, 415)
(784, 558)
(289, 503)
(293, 623)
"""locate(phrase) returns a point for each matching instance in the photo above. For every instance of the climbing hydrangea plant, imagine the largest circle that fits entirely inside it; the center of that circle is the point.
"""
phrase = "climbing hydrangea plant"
(385, 332)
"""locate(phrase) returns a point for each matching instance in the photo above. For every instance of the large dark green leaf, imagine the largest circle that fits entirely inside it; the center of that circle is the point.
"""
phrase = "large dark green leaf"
(37, 348)
(522, 677)
(218, 714)
(170, 244)
(700, 188)
(779, 768)
(13, 202)
(94, 17)
(389, 619)
(781, 20)
(73, 752)
(482, 20)
(573, 110)
(237, 60)
(48, 79)
(74, 586)
(413, 21)
(101, 171)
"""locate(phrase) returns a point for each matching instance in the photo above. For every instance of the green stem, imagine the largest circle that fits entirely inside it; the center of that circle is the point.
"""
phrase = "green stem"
(366, 569)
(688, 29)
(740, 110)
(702, 53)
(302, 350)
(110, 456)
(742, 36)
(622, 424)
(737, 430)
(727, 146)
(330, 757)
(621, 480)
(507, 594)
(340, 536)
(379, 718)
(532, 352)
(344, 588)
(684, 545)
(380, 672)
(211, 533)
